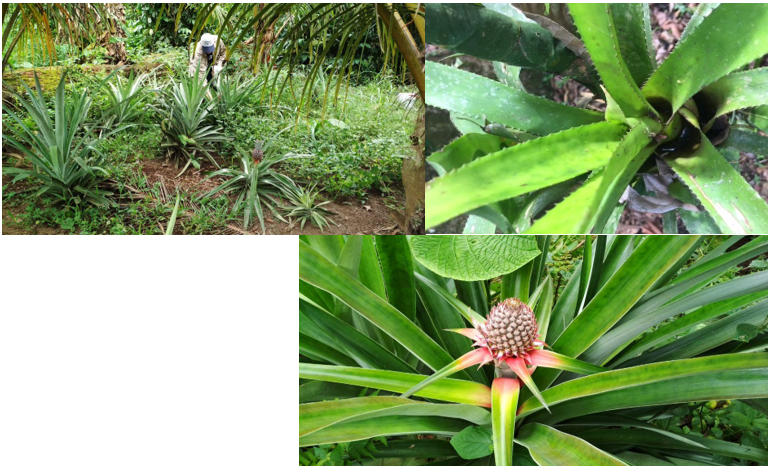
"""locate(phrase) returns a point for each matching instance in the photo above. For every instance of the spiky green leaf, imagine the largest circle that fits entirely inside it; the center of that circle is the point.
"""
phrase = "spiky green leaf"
(711, 51)
(481, 32)
(521, 169)
(596, 25)
(737, 90)
(481, 98)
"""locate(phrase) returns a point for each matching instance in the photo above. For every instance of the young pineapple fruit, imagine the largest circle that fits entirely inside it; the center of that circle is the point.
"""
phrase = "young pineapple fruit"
(510, 329)
(258, 153)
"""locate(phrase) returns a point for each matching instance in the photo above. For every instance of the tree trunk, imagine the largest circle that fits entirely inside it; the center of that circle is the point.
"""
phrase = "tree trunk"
(115, 50)
(413, 180)
(264, 35)
(413, 171)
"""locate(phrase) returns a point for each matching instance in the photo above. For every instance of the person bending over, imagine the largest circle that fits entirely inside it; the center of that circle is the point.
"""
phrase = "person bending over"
(208, 60)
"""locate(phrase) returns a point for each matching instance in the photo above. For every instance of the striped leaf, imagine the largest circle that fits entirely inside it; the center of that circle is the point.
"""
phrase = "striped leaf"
(647, 263)
(456, 391)
(319, 271)
(316, 416)
(658, 383)
(384, 426)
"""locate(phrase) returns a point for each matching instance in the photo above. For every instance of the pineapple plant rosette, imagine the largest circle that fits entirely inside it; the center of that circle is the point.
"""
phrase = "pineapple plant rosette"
(532, 373)
(667, 141)
(509, 339)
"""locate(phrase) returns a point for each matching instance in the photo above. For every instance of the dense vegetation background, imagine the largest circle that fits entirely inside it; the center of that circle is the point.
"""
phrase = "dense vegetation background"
(342, 118)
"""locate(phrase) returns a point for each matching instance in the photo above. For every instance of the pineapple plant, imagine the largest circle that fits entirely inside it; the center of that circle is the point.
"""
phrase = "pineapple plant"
(61, 148)
(662, 144)
(188, 128)
(255, 183)
(585, 371)
(508, 337)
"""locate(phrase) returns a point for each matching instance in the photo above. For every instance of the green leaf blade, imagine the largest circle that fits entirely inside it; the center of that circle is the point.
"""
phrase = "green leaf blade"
(657, 440)
(711, 51)
(746, 141)
(317, 270)
(521, 169)
(633, 27)
(596, 26)
(550, 447)
(317, 416)
(653, 384)
(570, 216)
(481, 32)
(635, 277)
(366, 351)
(477, 97)
(383, 426)
(397, 269)
(464, 150)
(453, 390)
(504, 395)
(738, 90)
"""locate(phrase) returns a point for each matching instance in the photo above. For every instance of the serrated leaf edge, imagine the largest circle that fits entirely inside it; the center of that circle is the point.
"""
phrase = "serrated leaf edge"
(617, 55)
(593, 112)
(714, 11)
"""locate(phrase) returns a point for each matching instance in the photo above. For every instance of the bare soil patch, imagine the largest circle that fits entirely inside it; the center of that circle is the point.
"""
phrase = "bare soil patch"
(351, 215)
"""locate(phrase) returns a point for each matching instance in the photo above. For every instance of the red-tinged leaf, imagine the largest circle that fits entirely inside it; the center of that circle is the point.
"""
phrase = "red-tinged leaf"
(504, 395)
(467, 332)
(518, 365)
(479, 356)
